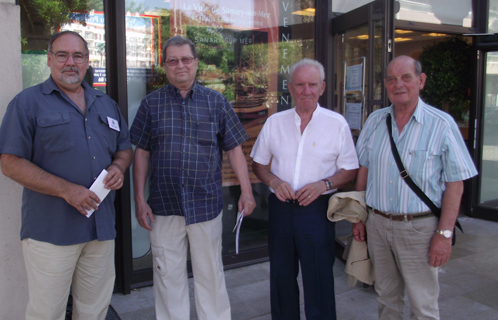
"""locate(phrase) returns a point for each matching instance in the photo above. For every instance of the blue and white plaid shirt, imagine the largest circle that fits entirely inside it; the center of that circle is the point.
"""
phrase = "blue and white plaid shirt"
(431, 148)
(186, 139)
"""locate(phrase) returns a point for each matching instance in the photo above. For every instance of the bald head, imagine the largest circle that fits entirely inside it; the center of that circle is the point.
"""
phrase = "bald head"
(405, 60)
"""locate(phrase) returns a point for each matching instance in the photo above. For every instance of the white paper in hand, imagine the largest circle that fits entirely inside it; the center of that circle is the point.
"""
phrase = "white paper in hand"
(238, 223)
(99, 189)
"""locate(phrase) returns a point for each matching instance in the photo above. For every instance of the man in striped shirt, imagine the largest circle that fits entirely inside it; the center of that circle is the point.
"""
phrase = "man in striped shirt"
(406, 242)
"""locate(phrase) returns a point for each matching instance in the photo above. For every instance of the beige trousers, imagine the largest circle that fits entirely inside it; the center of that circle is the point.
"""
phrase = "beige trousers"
(170, 239)
(399, 251)
(86, 268)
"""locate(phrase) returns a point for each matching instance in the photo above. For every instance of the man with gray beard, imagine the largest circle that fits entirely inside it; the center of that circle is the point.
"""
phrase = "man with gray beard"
(55, 140)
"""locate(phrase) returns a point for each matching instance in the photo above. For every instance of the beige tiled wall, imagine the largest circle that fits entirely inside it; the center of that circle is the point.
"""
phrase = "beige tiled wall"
(13, 288)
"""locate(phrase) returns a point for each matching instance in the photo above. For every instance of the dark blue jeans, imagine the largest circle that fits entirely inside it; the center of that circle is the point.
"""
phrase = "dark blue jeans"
(301, 235)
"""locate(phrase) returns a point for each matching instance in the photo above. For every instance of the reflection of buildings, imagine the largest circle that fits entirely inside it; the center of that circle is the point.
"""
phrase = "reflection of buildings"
(138, 52)
(139, 34)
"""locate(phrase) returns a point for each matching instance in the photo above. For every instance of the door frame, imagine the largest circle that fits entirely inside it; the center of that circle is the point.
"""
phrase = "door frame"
(482, 45)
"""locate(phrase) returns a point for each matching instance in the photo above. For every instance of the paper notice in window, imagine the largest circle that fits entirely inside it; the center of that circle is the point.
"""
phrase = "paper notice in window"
(236, 229)
(99, 189)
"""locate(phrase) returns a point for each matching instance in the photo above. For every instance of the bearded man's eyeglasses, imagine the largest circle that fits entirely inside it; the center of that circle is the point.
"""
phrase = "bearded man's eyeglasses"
(62, 56)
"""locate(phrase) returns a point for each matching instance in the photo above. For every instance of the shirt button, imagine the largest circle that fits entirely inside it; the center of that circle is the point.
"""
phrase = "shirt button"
(93, 157)
(86, 119)
(89, 137)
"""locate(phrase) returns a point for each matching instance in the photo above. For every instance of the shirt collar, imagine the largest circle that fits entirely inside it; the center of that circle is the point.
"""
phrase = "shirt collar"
(192, 93)
(418, 114)
(315, 114)
(49, 86)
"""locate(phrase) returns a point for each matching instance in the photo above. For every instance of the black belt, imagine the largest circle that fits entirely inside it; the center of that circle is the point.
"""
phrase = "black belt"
(403, 217)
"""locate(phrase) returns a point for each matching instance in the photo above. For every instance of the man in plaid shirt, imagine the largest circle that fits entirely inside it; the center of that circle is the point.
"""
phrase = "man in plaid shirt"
(181, 131)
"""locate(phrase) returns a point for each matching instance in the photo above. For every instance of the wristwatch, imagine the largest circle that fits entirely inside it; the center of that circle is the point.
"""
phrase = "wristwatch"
(445, 233)
(329, 184)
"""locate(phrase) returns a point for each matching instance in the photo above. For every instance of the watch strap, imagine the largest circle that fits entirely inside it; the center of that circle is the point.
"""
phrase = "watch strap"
(329, 184)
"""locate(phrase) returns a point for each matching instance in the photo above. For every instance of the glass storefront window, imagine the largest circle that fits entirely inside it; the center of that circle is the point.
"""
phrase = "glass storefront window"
(451, 12)
(343, 6)
(493, 16)
(489, 169)
(40, 19)
(245, 50)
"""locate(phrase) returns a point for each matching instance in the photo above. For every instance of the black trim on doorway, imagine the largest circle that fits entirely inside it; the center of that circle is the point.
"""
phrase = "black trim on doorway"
(324, 48)
(115, 37)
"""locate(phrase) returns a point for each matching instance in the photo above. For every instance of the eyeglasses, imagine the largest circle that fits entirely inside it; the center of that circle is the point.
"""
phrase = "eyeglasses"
(174, 62)
(61, 56)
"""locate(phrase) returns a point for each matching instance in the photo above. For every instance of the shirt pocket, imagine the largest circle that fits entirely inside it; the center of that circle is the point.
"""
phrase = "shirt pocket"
(206, 133)
(423, 163)
(56, 132)
(108, 135)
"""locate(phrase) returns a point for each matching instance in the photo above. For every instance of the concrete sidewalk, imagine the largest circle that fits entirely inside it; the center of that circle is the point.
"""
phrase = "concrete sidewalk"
(469, 285)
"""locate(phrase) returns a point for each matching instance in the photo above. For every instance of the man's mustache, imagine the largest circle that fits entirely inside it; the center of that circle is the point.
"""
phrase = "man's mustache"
(74, 69)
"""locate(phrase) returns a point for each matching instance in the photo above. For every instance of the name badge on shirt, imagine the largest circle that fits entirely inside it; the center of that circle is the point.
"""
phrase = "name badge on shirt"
(113, 123)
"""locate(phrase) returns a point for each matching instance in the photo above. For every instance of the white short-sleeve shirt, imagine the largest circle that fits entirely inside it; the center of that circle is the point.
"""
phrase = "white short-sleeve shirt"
(325, 147)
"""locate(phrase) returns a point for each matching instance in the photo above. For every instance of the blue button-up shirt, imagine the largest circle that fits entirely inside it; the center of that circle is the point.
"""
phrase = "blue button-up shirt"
(45, 127)
(431, 148)
(186, 139)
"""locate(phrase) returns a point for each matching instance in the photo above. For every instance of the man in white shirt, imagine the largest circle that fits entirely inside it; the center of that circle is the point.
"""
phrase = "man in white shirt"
(311, 152)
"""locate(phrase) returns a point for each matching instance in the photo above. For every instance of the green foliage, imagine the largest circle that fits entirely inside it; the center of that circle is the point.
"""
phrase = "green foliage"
(56, 13)
(160, 79)
(44, 17)
(209, 54)
(134, 6)
(447, 66)
(229, 93)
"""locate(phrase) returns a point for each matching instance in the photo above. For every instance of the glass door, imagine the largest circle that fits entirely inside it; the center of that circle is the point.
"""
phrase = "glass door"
(362, 47)
(488, 195)
(485, 186)
(483, 196)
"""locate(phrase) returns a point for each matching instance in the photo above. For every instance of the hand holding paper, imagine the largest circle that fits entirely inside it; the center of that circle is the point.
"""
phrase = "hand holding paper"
(99, 189)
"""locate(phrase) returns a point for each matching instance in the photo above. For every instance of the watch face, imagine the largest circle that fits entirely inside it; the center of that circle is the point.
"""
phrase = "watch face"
(447, 233)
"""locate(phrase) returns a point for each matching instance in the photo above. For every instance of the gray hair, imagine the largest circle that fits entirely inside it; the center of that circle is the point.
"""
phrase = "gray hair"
(61, 33)
(178, 41)
(418, 67)
(307, 62)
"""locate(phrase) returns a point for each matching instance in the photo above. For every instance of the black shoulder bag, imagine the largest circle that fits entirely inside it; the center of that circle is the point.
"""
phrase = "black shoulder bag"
(409, 181)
